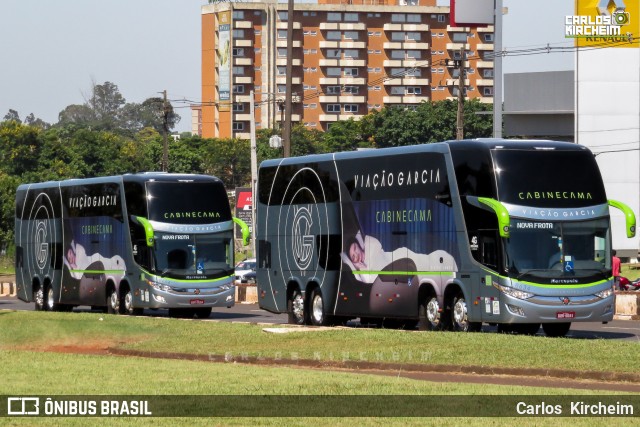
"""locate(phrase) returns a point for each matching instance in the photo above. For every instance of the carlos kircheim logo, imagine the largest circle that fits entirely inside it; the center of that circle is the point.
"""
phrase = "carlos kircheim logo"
(600, 19)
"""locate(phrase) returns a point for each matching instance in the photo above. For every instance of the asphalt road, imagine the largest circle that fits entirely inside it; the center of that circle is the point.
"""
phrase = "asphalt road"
(628, 330)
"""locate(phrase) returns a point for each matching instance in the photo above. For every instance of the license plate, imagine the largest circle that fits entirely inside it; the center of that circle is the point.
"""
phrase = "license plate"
(565, 314)
(196, 301)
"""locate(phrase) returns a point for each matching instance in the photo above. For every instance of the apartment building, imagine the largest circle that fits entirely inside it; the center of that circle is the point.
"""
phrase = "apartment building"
(349, 57)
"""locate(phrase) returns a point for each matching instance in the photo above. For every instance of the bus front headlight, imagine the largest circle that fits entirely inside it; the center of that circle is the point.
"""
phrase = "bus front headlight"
(515, 293)
(605, 294)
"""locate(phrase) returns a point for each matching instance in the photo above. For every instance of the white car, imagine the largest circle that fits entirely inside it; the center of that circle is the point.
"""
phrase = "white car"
(244, 267)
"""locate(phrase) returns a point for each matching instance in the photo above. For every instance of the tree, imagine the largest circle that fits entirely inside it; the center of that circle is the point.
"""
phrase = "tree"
(150, 113)
(12, 115)
(229, 160)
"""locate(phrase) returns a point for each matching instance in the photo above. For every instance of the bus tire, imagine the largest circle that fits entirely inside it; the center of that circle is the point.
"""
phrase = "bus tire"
(430, 314)
(295, 308)
(127, 302)
(316, 308)
(556, 329)
(203, 312)
(113, 302)
(38, 298)
(459, 317)
(49, 301)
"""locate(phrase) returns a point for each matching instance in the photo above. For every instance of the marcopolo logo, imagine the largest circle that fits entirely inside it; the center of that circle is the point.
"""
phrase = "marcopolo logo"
(606, 21)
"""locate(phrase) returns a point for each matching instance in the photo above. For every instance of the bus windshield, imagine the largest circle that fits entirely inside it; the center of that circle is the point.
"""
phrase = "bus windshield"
(546, 250)
(194, 256)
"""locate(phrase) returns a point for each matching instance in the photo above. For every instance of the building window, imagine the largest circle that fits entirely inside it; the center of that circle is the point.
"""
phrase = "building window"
(351, 35)
(351, 17)
(238, 34)
(282, 89)
(351, 108)
(488, 38)
(333, 71)
(238, 107)
(282, 52)
(238, 14)
(257, 32)
(413, 18)
(334, 16)
(351, 90)
(257, 69)
(351, 72)
(333, 53)
(238, 126)
(238, 88)
(487, 91)
(283, 15)
(334, 35)
(398, 17)
(238, 71)
(459, 37)
(282, 71)
(488, 73)
(333, 108)
(238, 51)
(397, 90)
(282, 34)
(413, 36)
(414, 90)
(351, 54)
(333, 90)
(441, 18)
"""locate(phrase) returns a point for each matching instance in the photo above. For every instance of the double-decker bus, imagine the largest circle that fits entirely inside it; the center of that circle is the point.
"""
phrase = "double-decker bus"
(129, 242)
(444, 236)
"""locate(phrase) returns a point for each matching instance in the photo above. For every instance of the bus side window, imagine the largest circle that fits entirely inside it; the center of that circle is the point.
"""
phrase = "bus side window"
(264, 254)
(487, 248)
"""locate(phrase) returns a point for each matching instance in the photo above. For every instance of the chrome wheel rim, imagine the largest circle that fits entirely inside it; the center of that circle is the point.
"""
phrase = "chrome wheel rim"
(50, 298)
(128, 302)
(317, 308)
(460, 313)
(114, 301)
(433, 311)
(297, 307)
(39, 297)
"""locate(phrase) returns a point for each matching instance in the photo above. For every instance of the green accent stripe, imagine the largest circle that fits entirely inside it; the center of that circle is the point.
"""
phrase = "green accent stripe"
(405, 273)
(99, 271)
(188, 281)
(562, 286)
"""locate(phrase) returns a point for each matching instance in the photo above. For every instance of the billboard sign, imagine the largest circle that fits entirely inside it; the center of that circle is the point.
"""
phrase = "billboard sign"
(472, 13)
(604, 23)
(244, 202)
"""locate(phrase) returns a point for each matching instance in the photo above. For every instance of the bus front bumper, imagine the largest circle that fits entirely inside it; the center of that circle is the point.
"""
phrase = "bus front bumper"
(553, 309)
(189, 298)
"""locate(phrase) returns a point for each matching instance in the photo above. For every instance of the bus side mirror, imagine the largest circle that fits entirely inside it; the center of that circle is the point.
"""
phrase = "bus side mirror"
(148, 228)
(498, 208)
(629, 217)
(244, 228)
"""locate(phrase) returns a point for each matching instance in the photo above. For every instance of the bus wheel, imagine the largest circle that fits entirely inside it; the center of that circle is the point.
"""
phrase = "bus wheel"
(430, 314)
(49, 302)
(128, 304)
(295, 308)
(556, 329)
(459, 316)
(203, 313)
(113, 302)
(38, 298)
(317, 308)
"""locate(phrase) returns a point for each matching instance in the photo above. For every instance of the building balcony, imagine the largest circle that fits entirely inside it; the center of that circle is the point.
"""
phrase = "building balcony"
(343, 81)
(343, 99)
(484, 46)
(242, 43)
(351, 44)
(285, 25)
(486, 99)
(242, 135)
(484, 64)
(328, 117)
(242, 117)
(405, 99)
(458, 46)
(243, 80)
(329, 99)
(242, 61)
(406, 27)
(283, 80)
(392, 99)
(484, 82)
(343, 26)
(242, 98)
(409, 63)
(454, 82)
(329, 62)
(407, 81)
(242, 24)
(392, 45)
(487, 29)
(451, 29)
(329, 44)
(415, 46)
(283, 43)
(283, 62)
(352, 63)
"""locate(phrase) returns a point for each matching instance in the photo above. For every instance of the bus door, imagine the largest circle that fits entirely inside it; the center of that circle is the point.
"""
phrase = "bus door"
(485, 248)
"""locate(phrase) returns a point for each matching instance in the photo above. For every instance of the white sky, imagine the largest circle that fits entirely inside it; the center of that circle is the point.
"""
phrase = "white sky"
(53, 50)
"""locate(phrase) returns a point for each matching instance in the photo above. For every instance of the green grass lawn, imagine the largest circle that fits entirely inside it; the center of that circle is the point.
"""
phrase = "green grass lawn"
(26, 368)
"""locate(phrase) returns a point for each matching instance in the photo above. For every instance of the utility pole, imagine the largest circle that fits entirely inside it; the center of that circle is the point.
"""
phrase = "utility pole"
(460, 115)
(254, 170)
(286, 134)
(165, 131)
(497, 71)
